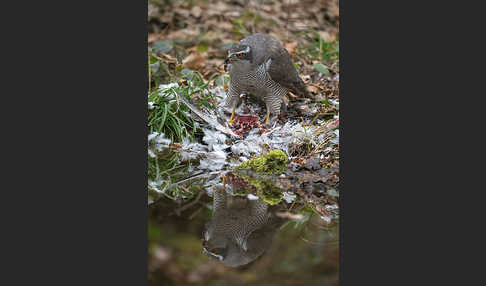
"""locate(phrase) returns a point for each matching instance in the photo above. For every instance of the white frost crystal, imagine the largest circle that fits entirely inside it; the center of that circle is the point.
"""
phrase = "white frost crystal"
(215, 140)
(159, 143)
(289, 197)
(251, 145)
(252, 197)
(152, 136)
(151, 153)
(155, 185)
(191, 150)
(214, 161)
(165, 87)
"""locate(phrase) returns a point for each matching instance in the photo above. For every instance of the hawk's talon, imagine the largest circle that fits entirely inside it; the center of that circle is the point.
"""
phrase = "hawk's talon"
(232, 118)
(267, 120)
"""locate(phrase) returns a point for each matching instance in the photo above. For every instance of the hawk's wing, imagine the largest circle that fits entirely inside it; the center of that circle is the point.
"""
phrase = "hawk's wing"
(268, 51)
(282, 70)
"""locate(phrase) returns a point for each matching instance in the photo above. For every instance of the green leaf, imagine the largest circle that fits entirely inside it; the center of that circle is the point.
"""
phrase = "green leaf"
(326, 103)
(202, 48)
(321, 68)
(162, 47)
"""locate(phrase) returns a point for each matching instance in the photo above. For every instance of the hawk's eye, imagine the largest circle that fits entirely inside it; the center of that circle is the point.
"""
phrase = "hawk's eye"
(240, 56)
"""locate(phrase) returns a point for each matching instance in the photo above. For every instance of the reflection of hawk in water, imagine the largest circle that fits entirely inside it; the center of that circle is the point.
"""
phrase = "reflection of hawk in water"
(240, 229)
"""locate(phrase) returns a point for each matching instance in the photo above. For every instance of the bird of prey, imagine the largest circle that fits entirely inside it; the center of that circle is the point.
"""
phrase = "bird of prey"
(261, 66)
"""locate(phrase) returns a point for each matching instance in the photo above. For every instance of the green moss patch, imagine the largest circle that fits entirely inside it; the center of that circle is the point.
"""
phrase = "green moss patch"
(274, 162)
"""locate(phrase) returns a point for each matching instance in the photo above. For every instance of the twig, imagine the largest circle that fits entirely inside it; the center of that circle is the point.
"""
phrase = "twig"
(183, 208)
(209, 120)
(200, 175)
(162, 64)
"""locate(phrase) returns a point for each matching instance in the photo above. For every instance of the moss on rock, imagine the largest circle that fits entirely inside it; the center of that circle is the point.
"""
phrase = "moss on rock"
(274, 162)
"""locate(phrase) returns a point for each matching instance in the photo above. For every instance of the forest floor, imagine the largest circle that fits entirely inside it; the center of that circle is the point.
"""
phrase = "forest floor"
(187, 44)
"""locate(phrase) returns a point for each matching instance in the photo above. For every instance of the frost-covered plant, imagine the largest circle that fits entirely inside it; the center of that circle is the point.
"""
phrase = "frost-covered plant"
(169, 115)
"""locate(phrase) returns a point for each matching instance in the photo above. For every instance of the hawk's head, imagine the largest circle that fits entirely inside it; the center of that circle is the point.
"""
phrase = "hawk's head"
(238, 54)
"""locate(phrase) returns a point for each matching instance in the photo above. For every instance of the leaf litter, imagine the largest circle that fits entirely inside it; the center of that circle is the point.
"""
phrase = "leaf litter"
(196, 36)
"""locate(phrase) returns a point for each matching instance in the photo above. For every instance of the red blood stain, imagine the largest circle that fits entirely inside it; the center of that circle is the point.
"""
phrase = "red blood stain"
(242, 124)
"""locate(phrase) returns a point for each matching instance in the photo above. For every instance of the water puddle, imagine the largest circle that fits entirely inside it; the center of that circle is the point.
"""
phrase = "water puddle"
(224, 239)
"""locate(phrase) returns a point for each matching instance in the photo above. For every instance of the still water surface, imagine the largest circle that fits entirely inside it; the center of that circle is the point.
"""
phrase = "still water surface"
(222, 239)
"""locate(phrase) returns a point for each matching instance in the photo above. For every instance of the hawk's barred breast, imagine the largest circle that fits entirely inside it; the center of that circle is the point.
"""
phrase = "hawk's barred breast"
(268, 74)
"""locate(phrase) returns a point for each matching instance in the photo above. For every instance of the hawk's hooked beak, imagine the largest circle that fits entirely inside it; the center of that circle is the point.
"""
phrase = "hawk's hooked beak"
(227, 61)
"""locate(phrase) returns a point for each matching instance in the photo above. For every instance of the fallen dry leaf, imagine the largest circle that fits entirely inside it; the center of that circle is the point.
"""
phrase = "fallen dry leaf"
(183, 33)
(225, 26)
(313, 88)
(196, 11)
(326, 37)
(194, 61)
(291, 47)
(169, 58)
(154, 37)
